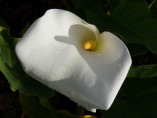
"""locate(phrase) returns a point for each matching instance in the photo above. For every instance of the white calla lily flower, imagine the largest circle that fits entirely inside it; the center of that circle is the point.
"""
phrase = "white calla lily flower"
(69, 55)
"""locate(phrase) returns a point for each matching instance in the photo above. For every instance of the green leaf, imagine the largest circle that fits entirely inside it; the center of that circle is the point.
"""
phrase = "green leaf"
(12, 69)
(136, 49)
(36, 107)
(153, 7)
(145, 71)
(96, 14)
(135, 16)
(7, 52)
(131, 20)
(24, 29)
(3, 23)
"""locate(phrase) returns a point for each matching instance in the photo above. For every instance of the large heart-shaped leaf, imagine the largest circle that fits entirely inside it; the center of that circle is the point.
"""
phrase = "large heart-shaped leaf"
(131, 20)
(135, 16)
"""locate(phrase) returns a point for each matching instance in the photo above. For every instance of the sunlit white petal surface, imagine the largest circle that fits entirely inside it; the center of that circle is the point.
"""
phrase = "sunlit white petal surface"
(51, 52)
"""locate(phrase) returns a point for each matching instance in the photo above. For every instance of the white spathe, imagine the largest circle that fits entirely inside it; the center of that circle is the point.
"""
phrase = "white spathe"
(51, 51)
